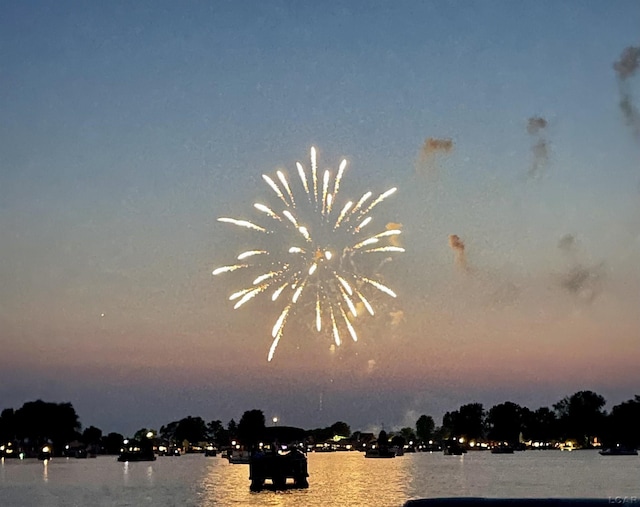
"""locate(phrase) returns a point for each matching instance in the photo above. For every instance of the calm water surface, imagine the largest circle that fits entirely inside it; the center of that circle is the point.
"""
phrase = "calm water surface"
(336, 479)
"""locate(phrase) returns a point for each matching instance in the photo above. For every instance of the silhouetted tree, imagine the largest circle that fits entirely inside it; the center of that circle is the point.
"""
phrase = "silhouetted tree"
(450, 424)
(623, 425)
(168, 431)
(504, 422)
(7, 425)
(318, 435)
(527, 422)
(141, 434)
(112, 443)
(408, 434)
(232, 429)
(540, 425)
(216, 432)
(341, 428)
(425, 427)
(472, 420)
(383, 439)
(467, 422)
(91, 435)
(191, 429)
(40, 422)
(581, 416)
(251, 427)
(440, 433)
(284, 434)
(398, 440)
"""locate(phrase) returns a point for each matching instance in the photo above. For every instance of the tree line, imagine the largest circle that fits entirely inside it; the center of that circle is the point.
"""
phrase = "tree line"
(580, 418)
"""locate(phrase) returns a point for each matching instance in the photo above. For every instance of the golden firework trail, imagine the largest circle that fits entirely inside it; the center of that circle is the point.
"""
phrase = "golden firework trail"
(310, 259)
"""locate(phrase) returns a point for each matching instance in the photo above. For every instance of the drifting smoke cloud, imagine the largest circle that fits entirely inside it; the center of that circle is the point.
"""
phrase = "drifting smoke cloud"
(396, 317)
(456, 244)
(431, 148)
(626, 68)
(567, 243)
(582, 281)
(536, 126)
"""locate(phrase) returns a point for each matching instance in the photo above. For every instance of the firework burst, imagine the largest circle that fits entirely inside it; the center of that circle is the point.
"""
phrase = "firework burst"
(312, 254)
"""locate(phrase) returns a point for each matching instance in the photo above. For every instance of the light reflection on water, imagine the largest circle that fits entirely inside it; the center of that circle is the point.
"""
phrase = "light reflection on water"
(340, 479)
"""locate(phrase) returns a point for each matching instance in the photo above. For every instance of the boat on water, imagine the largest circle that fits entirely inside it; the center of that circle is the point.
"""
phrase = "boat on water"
(238, 457)
(324, 448)
(136, 456)
(502, 449)
(453, 448)
(398, 450)
(567, 446)
(277, 468)
(45, 453)
(163, 450)
(379, 452)
(138, 450)
(618, 451)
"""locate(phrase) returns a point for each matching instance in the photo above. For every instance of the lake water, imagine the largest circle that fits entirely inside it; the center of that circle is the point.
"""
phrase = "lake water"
(335, 479)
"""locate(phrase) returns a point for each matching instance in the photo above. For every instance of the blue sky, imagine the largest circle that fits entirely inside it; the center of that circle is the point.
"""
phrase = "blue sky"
(127, 130)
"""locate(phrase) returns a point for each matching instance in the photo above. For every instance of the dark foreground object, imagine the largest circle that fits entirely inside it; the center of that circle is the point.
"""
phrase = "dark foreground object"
(618, 451)
(512, 502)
(136, 456)
(278, 468)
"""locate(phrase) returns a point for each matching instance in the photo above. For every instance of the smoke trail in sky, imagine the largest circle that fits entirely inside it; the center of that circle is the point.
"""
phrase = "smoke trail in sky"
(457, 245)
(567, 243)
(585, 282)
(626, 68)
(431, 148)
(536, 126)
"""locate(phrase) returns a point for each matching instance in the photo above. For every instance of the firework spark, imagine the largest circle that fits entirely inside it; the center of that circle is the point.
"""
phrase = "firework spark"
(312, 258)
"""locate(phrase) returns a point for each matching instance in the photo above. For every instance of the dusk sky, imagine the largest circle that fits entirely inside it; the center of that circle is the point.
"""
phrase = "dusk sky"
(127, 129)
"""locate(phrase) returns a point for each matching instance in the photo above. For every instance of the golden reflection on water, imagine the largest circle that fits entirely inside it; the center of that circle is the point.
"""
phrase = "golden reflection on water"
(363, 479)
(338, 479)
(150, 476)
(125, 473)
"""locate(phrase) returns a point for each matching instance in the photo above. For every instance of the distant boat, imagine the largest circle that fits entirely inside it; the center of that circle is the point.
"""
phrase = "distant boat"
(453, 448)
(502, 449)
(323, 448)
(618, 451)
(92, 451)
(379, 453)
(136, 456)
(239, 457)
(398, 450)
(567, 446)
(45, 453)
